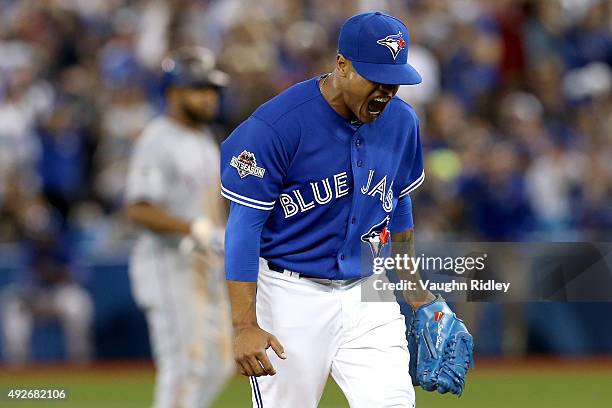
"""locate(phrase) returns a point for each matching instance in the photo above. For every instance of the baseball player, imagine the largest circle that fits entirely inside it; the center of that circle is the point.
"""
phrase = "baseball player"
(314, 175)
(172, 195)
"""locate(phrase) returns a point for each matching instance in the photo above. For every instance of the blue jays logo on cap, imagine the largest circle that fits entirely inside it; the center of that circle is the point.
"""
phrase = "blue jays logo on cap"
(363, 39)
(395, 43)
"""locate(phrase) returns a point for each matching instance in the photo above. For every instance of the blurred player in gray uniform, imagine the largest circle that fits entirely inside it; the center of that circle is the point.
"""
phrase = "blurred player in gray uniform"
(172, 195)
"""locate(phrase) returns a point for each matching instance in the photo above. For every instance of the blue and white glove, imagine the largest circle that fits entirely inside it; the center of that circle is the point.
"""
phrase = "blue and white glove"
(441, 348)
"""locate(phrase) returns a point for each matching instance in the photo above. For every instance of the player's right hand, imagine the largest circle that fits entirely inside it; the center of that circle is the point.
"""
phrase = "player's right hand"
(251, 343)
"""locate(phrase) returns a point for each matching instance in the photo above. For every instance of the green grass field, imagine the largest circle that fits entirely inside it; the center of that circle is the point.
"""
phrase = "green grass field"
(503, 385)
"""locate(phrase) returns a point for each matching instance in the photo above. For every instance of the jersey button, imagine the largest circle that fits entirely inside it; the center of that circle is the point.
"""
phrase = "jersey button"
(359, 163)
(342, 257)
(353, 220)
(358, 142)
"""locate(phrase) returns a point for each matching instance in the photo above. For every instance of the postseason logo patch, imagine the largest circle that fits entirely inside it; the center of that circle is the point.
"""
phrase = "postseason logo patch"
(395, 43)
(246, 165)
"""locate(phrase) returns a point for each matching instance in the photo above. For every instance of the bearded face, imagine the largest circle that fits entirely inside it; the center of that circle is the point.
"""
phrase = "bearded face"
(199, 105)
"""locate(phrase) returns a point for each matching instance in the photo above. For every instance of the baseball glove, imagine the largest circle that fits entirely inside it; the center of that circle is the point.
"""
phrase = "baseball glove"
(441, 348)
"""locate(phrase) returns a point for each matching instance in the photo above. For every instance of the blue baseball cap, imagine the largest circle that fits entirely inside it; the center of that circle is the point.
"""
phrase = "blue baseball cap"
(377, 45)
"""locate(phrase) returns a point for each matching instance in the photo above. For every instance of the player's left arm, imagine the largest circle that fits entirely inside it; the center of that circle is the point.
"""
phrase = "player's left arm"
(440, 345)
(403, 243)
(410, 176)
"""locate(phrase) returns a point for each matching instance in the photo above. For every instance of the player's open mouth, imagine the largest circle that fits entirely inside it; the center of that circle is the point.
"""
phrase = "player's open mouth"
(377, 105)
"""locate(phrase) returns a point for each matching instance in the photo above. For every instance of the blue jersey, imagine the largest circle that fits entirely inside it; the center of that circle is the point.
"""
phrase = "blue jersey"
(330, 187)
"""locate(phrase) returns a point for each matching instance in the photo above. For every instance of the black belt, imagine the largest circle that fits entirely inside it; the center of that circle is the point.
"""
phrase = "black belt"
(277, 268)
(274, 267)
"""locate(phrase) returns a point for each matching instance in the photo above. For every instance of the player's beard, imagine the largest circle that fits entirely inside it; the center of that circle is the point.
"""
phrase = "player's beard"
(194, 116)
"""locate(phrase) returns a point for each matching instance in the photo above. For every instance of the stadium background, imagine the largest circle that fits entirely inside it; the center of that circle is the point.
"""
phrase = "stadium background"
(516, 111)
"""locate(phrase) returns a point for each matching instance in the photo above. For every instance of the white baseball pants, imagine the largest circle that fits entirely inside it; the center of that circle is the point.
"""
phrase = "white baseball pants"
(327, 329)
(189, 327)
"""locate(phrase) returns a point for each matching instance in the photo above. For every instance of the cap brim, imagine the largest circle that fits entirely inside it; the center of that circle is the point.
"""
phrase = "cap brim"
(219, 78)
(391, 74)
(213, 79)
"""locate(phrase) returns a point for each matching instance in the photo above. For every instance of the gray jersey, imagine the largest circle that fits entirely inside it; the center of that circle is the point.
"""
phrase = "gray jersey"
(172, 167)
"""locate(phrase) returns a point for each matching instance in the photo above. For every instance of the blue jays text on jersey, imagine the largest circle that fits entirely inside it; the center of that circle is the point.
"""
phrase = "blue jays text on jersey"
(329, 186)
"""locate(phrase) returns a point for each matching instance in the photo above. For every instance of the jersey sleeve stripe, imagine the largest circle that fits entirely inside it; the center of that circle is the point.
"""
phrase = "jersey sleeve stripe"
(414, 185)
(244, 198)
(247, 204)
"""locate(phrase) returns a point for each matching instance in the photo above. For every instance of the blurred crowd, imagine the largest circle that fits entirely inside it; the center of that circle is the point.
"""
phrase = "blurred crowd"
(516, 105)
